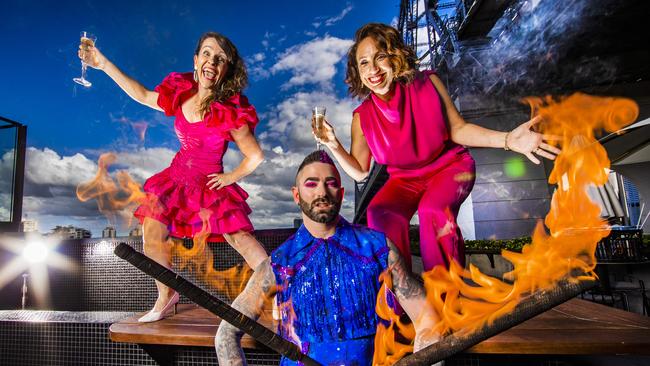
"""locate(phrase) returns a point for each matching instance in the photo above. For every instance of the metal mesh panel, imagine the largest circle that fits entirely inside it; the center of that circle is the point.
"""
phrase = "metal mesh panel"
(36, 338)
(55, 338)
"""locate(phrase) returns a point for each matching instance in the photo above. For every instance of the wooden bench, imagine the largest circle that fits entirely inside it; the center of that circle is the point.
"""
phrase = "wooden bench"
(577, 327)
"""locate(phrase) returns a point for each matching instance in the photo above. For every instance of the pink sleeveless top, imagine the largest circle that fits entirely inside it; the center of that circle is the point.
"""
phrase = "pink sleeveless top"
(408, 132)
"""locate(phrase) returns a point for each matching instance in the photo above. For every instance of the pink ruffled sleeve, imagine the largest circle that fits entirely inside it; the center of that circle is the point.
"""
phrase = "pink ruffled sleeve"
(232, 114)
(173, 91)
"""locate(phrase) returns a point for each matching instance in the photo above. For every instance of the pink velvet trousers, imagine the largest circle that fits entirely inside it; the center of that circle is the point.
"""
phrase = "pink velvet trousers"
(436, 193)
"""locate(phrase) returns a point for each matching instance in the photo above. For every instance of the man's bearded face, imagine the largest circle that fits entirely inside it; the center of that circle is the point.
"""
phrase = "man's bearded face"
(323, 209)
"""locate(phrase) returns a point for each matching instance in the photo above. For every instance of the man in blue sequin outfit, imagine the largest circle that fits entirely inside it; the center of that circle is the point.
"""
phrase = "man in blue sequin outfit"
(325, 280)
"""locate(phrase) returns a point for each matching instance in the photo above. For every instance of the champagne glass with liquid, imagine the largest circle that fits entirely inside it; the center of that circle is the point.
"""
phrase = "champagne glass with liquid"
(88, 40)
(317, 118)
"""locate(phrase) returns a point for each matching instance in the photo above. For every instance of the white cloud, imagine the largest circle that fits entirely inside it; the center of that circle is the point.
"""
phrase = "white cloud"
(289, 122)
(335, 19)
(257, 68)
(328, 22)
(313, 62)
(259, 72)
(268, 40)
(143, 163)
(5, 205)
(46, 167)
(51, 180)
(6, 170)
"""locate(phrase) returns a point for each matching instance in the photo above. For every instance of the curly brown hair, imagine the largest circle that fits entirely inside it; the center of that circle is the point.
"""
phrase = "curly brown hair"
(236, 77)
(387, 39)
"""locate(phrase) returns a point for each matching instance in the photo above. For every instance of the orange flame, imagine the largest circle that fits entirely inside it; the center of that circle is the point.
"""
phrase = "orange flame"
(287, 319)
(388, 348)
(116, 200)
(466, 299)
(200, 259)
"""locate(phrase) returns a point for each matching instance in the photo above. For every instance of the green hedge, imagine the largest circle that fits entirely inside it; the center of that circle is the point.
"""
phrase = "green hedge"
(488, 245)
(513, 245)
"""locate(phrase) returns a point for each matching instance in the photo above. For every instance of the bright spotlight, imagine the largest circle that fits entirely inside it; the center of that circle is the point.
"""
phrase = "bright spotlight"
(36, 252)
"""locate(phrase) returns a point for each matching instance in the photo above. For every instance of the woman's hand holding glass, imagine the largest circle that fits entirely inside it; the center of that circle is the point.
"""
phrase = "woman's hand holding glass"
(325, 135)
(90, 55)
(86, 40)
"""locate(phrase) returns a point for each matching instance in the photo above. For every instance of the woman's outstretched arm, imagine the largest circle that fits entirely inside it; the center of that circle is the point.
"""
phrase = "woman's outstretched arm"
(95, 59)
(522, 139)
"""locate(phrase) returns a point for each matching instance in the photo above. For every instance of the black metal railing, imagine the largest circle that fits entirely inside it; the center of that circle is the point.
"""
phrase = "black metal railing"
(13, 137)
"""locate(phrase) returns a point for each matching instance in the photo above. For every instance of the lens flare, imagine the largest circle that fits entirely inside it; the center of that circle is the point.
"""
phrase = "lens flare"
(514, 167)
(36, 252)
(35, 255)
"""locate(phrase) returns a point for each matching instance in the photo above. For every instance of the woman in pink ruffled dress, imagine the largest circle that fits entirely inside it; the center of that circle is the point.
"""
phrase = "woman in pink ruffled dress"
(210, 112)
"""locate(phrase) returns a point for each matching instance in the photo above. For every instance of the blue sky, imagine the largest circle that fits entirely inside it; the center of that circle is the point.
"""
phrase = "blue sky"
(294, 51)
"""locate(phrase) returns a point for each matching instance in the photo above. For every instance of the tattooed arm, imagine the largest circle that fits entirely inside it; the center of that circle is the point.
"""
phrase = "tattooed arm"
(411, 296)
(250, 302)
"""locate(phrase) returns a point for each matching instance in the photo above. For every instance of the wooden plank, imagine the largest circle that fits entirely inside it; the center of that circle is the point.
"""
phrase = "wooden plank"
(192, 326)
(577, 327)
(565, 342)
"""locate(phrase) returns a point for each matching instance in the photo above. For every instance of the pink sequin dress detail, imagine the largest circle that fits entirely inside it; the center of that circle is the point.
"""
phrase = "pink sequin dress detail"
(178, 196)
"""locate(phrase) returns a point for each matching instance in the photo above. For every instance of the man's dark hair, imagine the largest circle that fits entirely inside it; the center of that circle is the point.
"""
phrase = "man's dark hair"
(318, 156)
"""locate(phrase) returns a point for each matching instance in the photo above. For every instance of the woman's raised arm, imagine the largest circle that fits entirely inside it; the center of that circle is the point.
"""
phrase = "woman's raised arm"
(95, 59)
(355, 163)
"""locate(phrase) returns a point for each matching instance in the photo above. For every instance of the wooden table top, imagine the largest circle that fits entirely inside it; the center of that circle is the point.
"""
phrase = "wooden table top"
(577, 327)
(192, 326)
(573, 328)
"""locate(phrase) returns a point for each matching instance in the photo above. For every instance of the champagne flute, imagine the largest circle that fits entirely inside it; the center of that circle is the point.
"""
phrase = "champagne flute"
(88, 40)
(317, 118)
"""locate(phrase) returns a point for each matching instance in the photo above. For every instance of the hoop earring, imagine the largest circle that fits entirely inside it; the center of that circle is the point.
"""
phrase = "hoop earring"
(196, 76)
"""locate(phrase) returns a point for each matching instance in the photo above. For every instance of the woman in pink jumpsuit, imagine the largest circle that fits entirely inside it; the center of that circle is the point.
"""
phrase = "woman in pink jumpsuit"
(408, 122)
